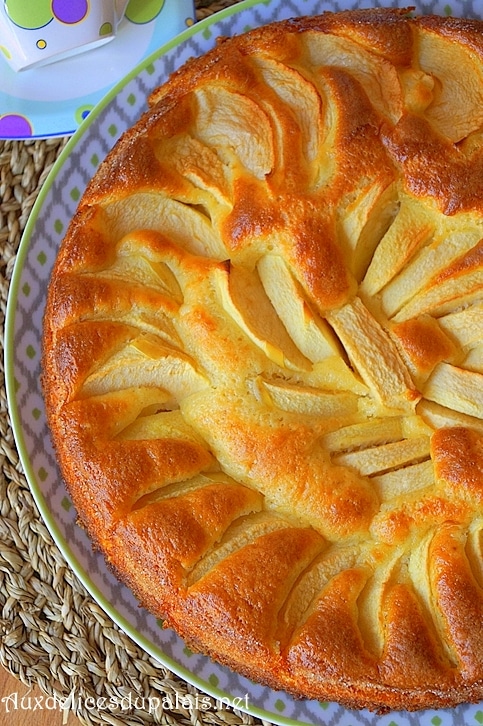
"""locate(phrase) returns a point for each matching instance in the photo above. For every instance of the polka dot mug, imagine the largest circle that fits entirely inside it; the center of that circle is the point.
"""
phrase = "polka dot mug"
(37, 32)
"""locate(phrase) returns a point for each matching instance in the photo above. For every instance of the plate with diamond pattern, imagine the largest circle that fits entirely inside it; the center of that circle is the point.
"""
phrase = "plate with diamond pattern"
(50, 217)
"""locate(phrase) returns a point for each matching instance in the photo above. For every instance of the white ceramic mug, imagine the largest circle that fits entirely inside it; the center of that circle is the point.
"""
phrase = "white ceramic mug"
(37, 32)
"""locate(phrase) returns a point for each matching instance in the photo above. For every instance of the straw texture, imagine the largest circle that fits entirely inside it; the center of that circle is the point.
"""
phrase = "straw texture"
(52, 633)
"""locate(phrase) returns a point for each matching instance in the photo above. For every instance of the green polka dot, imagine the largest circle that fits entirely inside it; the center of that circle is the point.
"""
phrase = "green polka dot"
(95, 160)
(160, 623)
(66, 504)
(75, 194)
(42, 258)
(131, 99)
(448, 10)
(112, 130)
(105, 29)
(26, 289)
(188, 653)
(30, 352)
(36, 413)
(436, 721)
(324, 705)
(58, 226)
(213, 680)
(42, 474)
(143, 11)
(279, 705)
(29, 13)
(207, 33)
(479, 716)
(150, 69)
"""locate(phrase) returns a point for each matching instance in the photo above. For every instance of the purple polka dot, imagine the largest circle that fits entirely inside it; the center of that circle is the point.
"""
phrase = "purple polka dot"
(69, 11)
(13, 126)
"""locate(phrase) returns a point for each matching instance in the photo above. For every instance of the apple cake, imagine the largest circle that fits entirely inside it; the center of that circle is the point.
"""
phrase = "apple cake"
(263, 357)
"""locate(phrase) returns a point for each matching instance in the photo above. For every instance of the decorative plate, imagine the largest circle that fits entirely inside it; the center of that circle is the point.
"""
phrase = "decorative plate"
(47, 225)
(55, 100)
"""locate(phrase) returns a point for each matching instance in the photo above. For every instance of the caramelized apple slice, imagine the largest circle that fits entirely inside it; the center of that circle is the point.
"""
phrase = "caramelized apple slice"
(444, 297)
(147, 361)
(407, 291)
(438, 417)
(423, 344)
(385, 457)
(374, 355)
(411, 229)
(237, 128)
(244, 299)
(310, 333)
(364, 435)
(307, 400)
(238, 535)
(393, 484)
(473, 361)
(186, 226)
(457, 108)
(121, 408)
(202, 166)
(300, 96)
(464, 326)
(456, 388)
(133, 266)
(365, 222)
(159, 424)
(371, 600)
(378, 78)
(474, 548)
(334, 374)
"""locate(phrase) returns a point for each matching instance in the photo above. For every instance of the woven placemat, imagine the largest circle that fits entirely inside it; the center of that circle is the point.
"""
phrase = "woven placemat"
(53, 634)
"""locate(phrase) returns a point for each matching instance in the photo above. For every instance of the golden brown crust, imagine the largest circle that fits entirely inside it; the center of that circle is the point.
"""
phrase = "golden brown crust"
(263, 361)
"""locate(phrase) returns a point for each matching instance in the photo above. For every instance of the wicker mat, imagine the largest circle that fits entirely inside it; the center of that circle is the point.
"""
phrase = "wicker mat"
(53, 635)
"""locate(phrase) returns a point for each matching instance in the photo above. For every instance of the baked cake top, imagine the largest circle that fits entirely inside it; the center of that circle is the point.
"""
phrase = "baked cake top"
(263, 357)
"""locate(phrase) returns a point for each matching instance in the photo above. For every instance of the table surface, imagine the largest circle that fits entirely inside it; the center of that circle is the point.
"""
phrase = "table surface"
(24, 706)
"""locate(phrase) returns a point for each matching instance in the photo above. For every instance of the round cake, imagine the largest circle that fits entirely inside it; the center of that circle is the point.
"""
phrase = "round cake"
(263, 357)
